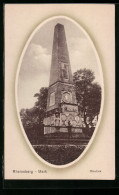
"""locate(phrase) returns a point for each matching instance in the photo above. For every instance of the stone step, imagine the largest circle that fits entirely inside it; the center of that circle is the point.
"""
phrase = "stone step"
(59, 141)
(64, 135)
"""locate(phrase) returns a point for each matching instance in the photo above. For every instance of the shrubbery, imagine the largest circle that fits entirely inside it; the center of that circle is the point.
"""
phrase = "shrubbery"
(59, 154)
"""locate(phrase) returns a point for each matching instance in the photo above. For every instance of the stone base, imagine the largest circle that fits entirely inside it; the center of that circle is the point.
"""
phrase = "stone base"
(48, 130)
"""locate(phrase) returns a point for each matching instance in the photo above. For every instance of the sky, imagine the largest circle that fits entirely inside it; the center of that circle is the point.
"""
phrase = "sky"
(35, 67)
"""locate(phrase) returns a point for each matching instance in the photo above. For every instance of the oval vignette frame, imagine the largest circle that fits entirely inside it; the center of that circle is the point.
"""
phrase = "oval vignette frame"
(102, 96)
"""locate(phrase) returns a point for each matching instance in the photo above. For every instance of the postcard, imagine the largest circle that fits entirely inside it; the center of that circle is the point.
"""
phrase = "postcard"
(59, 91)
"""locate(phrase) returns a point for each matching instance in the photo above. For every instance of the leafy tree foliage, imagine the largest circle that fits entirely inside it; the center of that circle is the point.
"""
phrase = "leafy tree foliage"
(88, 94)
(33, 118)
(41, 103)
(29, 117)
(42, 99)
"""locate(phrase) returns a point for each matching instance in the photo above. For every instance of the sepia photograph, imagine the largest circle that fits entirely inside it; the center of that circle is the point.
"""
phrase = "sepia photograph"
(59, 91)
(59, 110)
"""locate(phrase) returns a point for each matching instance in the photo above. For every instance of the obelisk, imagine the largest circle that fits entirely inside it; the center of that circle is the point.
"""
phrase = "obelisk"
(61, 102)
(60, 55)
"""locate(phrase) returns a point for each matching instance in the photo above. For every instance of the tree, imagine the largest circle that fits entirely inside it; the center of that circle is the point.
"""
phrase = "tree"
(29, 117)
(41, 104)
(32, 119)
(88, 94)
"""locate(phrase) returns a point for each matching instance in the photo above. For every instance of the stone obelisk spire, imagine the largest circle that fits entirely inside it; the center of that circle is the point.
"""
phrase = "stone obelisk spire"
(60, 65)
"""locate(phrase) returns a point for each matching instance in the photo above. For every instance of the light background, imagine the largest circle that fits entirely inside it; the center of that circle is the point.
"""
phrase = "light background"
(98, 21)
